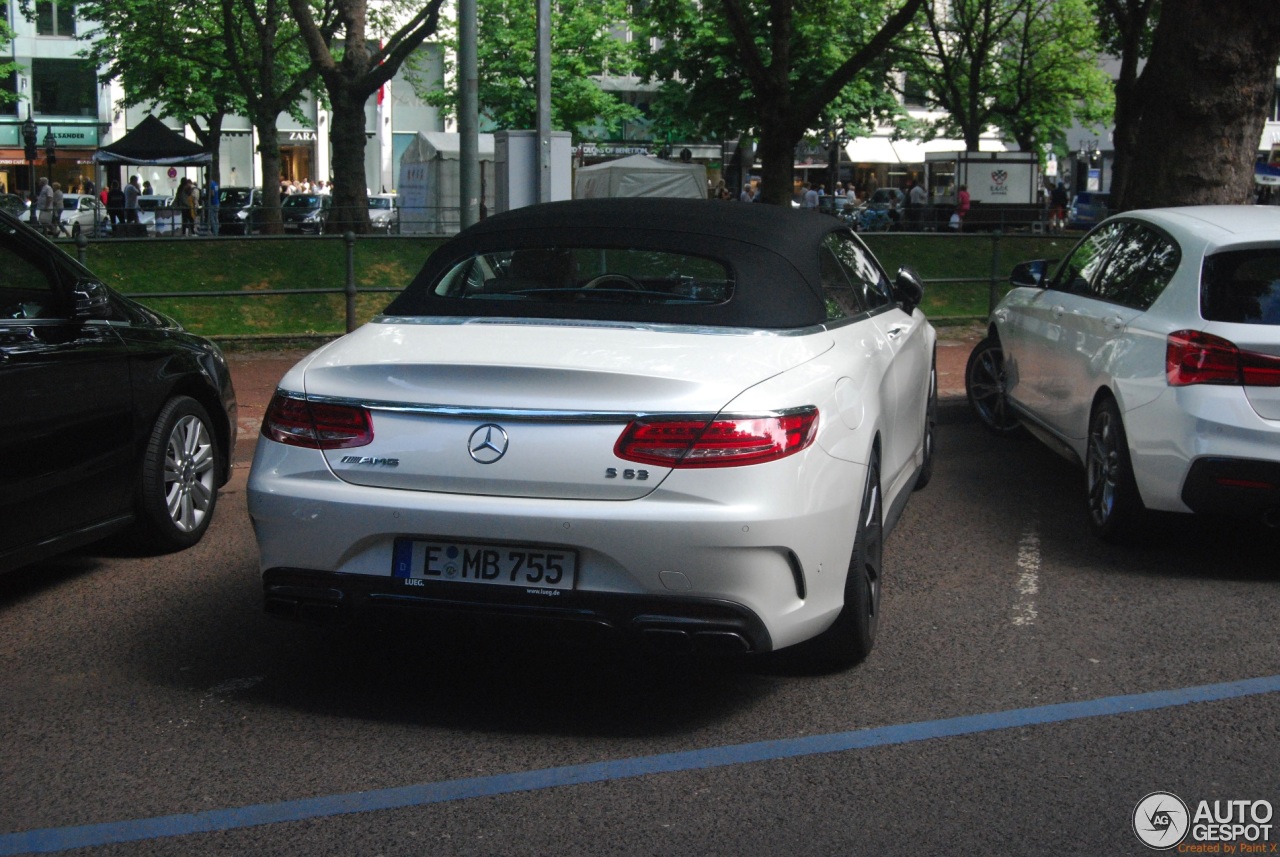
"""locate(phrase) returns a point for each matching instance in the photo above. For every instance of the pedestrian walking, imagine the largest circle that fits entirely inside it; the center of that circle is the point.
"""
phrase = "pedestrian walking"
(44, 204)
(1058, 208)
(962, 206)
(131, 194)
(56, 225)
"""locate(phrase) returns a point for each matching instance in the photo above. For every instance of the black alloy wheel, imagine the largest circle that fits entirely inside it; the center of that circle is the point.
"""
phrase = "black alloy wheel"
(984, 384)
(1115, 507)
(853, 634)
(930, 428)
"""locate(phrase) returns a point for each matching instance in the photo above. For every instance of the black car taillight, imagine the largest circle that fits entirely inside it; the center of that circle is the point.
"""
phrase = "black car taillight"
(1194, 357)
(316, 425)
(720, 442)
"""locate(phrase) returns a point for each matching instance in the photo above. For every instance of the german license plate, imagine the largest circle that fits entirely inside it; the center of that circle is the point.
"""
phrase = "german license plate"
(494, 565)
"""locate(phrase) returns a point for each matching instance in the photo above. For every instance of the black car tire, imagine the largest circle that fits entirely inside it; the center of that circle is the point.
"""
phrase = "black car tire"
(984, 384)
(178, 487)
(1115, 507)
(853, 634)
(930, 428)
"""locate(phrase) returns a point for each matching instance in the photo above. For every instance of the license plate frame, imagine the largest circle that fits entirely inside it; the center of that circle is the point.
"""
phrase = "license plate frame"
(509, 566)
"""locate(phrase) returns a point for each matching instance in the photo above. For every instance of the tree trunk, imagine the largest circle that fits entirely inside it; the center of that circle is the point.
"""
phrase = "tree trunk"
(1206, 90)
(777, 152)
(350, 195)
(269, 149)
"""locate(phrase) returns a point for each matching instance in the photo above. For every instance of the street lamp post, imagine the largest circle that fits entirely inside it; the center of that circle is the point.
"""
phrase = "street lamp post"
(29, 132)
(50, 150)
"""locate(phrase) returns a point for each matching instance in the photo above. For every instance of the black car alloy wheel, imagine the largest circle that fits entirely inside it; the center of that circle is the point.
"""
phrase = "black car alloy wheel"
(1115, 507)
(984, 383)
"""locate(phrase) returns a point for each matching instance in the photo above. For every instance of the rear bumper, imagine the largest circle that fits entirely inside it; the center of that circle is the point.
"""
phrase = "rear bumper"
(1240, 487)
(683, 624)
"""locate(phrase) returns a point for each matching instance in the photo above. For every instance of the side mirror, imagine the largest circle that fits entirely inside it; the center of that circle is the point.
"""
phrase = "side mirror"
(91, 300)
(1030, 275)
(908, 289)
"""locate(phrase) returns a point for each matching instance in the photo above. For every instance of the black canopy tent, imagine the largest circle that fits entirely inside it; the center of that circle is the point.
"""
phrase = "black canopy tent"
(152, 143)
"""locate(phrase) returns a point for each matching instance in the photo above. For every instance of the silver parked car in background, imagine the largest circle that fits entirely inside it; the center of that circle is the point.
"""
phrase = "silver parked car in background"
(1151, 356)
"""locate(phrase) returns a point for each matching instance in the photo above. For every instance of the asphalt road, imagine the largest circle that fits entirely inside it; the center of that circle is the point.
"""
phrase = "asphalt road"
(1029, 688)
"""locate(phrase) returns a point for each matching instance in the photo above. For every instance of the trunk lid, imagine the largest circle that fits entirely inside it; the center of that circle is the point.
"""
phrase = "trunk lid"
(524, 410)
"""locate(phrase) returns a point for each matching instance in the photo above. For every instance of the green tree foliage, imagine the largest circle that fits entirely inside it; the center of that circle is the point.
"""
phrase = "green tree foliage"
(167, 56)
(776, 68)
(7, 68)
(585, 48)
(1027, 67)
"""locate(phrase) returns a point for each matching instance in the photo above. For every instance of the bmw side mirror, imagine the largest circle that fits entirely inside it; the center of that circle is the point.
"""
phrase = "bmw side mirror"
(91, 300)
(908, 289)
(1030, 275)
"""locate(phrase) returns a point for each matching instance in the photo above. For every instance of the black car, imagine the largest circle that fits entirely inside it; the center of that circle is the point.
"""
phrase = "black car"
(113, 416)
(237, 210)
(305, 212)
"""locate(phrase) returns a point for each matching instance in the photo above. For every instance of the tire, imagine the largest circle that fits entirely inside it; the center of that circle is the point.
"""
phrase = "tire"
(179, 479)
(853, 634)
(930, 428)
(984, 384)
(1116, 511)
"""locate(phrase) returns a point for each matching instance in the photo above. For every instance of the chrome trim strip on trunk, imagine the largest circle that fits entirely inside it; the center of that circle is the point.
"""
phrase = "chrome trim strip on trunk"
(536, 414)
(612, 325)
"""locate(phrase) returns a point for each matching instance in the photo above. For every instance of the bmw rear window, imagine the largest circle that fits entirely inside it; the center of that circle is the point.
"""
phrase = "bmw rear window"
(588, 275)
(1242, 286)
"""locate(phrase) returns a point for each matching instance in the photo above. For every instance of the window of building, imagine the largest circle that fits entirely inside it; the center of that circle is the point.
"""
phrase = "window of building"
(914, 91)
(64, 87)
(56, 18)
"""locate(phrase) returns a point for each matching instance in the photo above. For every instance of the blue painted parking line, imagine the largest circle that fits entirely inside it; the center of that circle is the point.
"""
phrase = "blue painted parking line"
(90, 835)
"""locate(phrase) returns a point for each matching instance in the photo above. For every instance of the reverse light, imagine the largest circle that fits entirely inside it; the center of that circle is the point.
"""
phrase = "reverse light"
(720, 442)
(1194, 357)
(316, 425)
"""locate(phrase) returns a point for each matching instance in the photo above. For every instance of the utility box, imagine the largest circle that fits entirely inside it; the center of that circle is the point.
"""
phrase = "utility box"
(1005, 188)
(516, 168)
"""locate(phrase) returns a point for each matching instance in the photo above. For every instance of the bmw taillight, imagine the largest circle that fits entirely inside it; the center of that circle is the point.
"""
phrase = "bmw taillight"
(316, 425)
(1193, 357)
(719, 442)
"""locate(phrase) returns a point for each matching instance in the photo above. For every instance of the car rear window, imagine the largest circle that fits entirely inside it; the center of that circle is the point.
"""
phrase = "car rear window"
(1242, 286)
(587, 276)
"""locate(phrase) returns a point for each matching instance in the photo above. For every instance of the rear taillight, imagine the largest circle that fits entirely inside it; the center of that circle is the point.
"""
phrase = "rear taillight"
(1193, 357)
(720, 442)
(316, 425)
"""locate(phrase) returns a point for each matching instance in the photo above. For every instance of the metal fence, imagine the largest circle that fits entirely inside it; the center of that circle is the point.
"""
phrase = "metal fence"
(892, 248)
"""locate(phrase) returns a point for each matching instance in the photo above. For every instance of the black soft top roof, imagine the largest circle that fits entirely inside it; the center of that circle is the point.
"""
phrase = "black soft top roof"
(772, 253)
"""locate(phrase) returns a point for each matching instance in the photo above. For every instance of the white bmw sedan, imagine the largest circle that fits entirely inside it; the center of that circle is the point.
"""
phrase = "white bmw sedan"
(1152, 358)
(694, 422)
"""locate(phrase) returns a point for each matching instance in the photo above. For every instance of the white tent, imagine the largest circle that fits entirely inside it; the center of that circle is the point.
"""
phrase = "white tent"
(639, 175)
(429, 197)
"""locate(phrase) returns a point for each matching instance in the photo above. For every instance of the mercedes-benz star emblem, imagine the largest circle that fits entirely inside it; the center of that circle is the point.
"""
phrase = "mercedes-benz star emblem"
(488, 443)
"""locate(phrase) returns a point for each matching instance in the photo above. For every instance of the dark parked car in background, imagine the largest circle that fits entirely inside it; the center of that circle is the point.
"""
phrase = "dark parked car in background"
(237, 210)
(113, 416)
(1088, 209)
(305, 212)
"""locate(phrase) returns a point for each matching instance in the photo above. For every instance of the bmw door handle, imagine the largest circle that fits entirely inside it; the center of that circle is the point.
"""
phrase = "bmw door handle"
(1113, 322)
(1059, 310)
(897, 330)
(1001, 315)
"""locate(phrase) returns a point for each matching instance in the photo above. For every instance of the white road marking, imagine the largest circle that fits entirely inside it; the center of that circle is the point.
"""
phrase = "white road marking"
(1028, 585)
